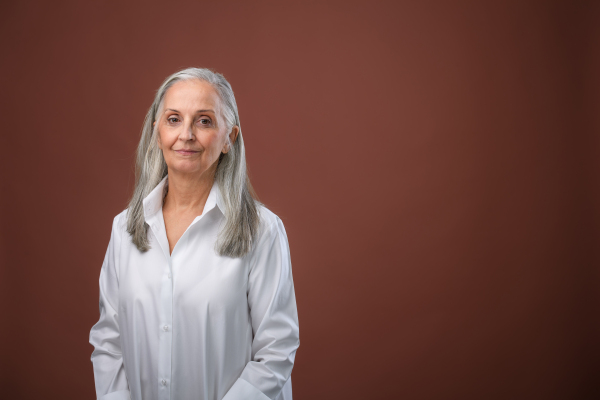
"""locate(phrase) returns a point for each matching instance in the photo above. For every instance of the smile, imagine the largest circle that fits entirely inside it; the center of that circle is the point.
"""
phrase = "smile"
(186, 152)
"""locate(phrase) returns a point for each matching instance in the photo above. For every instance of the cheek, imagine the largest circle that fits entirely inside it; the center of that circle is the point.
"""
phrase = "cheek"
(214, 144)
(166, 138)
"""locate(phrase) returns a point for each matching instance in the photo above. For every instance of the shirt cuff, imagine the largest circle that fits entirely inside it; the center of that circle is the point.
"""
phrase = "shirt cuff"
(118, 395)
(243, 390)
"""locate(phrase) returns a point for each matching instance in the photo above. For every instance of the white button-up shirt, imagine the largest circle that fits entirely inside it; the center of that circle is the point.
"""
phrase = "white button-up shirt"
(193, 324)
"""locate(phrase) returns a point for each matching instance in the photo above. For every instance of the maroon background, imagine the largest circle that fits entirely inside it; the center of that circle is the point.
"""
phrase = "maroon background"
(436, 165)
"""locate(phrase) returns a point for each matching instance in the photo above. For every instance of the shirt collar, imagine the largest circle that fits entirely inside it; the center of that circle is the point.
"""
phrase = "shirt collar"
(154, 200)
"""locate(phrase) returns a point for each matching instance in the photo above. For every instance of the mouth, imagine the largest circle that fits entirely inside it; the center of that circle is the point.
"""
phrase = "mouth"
(186, 152)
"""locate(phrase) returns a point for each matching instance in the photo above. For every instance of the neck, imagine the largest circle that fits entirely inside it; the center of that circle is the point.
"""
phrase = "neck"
(188, 192)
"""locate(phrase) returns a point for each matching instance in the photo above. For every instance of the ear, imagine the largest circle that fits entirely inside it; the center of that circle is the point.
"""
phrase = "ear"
(232, 137)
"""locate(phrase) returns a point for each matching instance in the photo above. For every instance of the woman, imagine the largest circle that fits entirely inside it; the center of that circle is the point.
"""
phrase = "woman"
(196, 292)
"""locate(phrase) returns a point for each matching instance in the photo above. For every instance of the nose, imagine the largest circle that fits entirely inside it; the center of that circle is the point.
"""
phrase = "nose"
(187, 132)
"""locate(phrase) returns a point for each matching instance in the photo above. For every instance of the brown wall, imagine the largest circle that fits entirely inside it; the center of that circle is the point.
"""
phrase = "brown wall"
(435, 164)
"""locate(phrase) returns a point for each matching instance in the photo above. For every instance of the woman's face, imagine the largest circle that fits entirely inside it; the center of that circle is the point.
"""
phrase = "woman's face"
(191, 129)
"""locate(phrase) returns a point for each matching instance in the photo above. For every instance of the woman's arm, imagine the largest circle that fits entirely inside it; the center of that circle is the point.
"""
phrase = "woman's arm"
(107, 359)
(274, 316)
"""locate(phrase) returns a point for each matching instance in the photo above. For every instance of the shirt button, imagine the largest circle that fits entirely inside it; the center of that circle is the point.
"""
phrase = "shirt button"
(164, 382)
(165, 328)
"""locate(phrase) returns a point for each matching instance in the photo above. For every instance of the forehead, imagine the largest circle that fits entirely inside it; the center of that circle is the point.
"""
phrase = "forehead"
(191, 95)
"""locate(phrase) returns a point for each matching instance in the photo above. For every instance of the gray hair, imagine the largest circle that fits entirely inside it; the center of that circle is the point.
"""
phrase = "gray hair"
(241, 203)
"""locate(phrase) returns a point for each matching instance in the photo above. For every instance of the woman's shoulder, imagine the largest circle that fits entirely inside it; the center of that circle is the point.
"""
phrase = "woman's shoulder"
(271, 231)
(120, 221)
(267, 217)
(269, 221)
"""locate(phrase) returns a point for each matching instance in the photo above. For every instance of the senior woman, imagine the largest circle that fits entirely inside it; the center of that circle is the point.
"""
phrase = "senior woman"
(196, 291)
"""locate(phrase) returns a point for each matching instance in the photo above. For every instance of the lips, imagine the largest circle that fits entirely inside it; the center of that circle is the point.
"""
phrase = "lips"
(186, 152)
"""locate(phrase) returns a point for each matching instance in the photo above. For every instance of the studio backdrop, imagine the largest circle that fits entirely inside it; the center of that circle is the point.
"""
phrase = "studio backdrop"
(435, 165)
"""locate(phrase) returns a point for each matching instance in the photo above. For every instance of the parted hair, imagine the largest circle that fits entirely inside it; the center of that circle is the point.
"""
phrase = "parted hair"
(239, 232)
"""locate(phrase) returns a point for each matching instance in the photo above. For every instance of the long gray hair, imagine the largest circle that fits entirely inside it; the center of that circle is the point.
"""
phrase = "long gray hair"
(241, 203)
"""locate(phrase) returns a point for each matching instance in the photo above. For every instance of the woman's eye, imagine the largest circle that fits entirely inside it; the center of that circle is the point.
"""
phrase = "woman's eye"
(171, 118)
(205, 121)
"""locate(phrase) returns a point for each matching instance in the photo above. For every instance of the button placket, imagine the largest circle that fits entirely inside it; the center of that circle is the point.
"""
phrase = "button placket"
(165, 336)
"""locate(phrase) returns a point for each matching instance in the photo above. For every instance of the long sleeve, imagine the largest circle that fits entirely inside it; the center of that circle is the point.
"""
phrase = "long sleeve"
(107, 359)
(274, 315)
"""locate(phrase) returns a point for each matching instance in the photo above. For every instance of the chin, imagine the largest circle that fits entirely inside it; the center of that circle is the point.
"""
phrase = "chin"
(187, 168)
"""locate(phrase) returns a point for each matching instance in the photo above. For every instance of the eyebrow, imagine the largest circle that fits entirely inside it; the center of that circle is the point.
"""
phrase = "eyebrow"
(197, 111)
